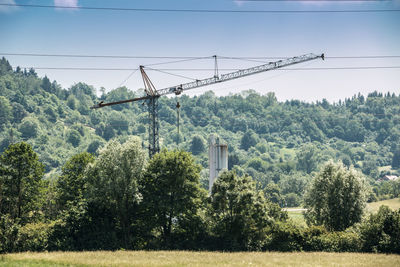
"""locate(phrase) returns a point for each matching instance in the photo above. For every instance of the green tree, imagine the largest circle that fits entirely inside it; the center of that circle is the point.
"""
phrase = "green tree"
(20, 182)
(46, 84)
(307, 158)
(336, 198)
(273, 193)
(72, 102)
(94, 146)
(380, 232)
(173, 197)
(248, 140)
(197, 145)
(74, 137)
(71, 184)
(5, 111)
(112, 187)
(239, 214)
(396, 159)
(29, 128)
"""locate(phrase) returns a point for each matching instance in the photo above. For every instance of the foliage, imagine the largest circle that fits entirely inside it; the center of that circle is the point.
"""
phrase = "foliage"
(8, 233)
(71, 183)
(34, 236)
(285, 237)
(5, 111)
(336, 242)
(336, 198)
(197, 145)
(307, 158)
(29, 128)
(74, 137)
(380, 232)
(20, 182)
(112, 185)
(238, 213)
(248, 140)
(173, 199)
(280, 145)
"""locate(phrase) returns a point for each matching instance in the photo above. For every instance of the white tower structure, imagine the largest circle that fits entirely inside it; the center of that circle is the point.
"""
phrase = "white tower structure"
(217, 159)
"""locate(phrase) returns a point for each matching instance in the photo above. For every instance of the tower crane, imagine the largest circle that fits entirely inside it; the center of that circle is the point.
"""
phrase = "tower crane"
(152, 94)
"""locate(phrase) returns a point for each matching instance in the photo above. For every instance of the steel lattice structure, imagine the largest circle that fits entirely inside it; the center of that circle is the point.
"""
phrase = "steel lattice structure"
(152, 94)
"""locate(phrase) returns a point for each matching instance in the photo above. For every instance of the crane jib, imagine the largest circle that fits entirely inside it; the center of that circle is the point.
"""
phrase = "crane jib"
(238, 74)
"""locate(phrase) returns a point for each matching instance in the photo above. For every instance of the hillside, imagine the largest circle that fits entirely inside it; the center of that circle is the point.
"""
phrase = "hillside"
(275, 142)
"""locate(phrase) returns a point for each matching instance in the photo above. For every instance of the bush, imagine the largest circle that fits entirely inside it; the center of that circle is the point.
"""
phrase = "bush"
(8, 234)
(285, 237)
(292, 200)
(34, 236)
(381, 231)
(74, 138)
(29, 127)
(336, 242)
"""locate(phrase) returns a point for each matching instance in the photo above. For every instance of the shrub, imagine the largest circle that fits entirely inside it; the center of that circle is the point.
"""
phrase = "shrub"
(74, 138)
(336, 242)
(8, 233)
(34, 236)
(381, 231)
(285, 237)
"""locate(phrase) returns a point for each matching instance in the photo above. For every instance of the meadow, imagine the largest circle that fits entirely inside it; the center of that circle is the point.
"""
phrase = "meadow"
(186, 258)
(296, 214)
(393, 203)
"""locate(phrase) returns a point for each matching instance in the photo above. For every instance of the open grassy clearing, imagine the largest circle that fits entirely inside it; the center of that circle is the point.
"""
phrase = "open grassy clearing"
(185, 258)
(394, 204)
(296, 214)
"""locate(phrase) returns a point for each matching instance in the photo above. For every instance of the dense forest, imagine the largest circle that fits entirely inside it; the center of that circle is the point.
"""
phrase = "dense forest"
(279, 144)
(72, 178)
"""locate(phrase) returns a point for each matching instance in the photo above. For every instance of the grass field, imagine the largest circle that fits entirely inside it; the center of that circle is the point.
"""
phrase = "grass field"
(394, 204)
(184, 258)
(296, 214)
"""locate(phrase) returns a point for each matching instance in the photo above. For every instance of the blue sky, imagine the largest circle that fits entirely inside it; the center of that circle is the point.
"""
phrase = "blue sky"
(61, 31)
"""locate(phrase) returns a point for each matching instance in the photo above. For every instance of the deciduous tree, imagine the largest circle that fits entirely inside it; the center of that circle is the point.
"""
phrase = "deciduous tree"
(20, 182)
(336, 198)
(173, 197)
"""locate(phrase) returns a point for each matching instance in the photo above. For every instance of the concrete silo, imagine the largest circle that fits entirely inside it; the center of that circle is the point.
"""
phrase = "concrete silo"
(217, 159)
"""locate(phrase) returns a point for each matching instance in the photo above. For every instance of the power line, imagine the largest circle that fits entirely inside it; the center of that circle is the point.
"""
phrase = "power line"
(181, 76)
(182, 57)
(205, 69)
(94, 56)
(313, 0)
(201, 10)
(127, 78)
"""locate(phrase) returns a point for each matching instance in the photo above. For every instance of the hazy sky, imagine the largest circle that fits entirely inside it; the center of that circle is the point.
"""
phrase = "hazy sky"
(104, 32)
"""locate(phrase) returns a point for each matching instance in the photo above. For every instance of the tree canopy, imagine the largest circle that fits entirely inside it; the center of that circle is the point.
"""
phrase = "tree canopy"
(336, 198)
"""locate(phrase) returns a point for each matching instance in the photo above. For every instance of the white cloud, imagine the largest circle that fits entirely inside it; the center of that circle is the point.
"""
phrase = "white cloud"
(66, 3)
(6, 9)
(239, 3)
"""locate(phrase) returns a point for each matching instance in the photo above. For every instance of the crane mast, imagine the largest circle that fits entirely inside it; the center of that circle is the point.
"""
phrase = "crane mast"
(152, 94)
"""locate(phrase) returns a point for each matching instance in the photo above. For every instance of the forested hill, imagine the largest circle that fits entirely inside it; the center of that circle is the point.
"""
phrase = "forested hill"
(280, 142)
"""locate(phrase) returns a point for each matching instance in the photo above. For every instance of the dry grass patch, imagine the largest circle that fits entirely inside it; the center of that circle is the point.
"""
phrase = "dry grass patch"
(393, 203)
(185, 258)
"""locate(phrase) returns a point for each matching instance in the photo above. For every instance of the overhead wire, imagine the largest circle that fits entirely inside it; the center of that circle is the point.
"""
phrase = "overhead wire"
(173, 74)
(201, 10)
(176, 61)
(127, 78)
(204, 69)
(94, 56)
(183, 57)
